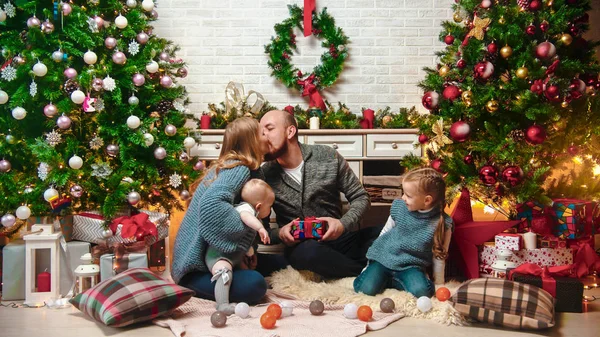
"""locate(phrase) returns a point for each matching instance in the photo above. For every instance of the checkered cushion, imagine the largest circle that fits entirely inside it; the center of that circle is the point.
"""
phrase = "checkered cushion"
(505, 303)
(135, 295)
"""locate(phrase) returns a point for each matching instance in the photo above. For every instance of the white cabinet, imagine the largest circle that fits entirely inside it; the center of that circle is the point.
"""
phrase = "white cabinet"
(346, 145)
(390, 145)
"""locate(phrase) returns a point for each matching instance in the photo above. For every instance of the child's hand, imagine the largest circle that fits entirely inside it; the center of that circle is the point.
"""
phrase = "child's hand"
(264, 236)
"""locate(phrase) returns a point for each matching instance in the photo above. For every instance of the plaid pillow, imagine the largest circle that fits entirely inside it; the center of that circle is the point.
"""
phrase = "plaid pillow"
(505, 303)
(135, 295)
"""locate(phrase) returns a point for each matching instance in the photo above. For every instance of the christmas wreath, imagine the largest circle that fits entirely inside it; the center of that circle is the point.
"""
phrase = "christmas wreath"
(324, 75)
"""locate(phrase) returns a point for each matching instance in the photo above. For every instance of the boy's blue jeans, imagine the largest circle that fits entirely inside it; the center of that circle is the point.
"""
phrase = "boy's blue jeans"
(376, 278)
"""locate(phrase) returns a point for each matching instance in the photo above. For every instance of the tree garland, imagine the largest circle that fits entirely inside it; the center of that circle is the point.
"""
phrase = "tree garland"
(281, 49)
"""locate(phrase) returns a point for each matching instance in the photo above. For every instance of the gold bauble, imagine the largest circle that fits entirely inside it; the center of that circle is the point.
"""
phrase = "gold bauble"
(502, 20)
(467, 95)
(443, 71)
(457, 18)
(560, 125)
(522, 73)
(506, 51)
(468, 102)
(549, 3)
(564, 104)
(566, 39)
(492, 106)
(386, 120)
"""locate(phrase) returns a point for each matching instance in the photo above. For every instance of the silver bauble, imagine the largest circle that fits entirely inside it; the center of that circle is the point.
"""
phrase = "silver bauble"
(184, 195)
(76, 191)
(160, 153)
(133, 100)
(112, 150)
(107, 233)
(133, 198)
(170, 130)
(5, 166)
(8, 220)
(184, 157)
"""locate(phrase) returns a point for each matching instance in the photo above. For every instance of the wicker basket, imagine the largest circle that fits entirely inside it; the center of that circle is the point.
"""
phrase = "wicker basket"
(383, 188)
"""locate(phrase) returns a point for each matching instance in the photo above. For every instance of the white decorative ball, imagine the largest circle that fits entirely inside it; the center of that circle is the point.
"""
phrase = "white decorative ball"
(133, 100)
(23, 212)
(8, 220)
(77, 96)
(133, 198)
(242, 310)
(50, 193)
(40, 69)
(121, 21)
(19, 113)
(75, 162)
(133, 122)
(3, 97)
(350, 311)
(152, 67)
(57, 56)
(160, 153)
(90, 57)
(148, 5)
(2, 16)
(189, 142)
(170, 130)
(107, 233)
(287, 308)
(131, 3)
(424, 304)
(148, 139)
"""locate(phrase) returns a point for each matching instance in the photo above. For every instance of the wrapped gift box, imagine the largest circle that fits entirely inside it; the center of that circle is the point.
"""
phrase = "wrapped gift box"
(308, 228)
(569, 291)
(13, 260)
(536, 218)
(509, 241)
(111, 266)
(550, 241)
(573, 218)
(543, 257)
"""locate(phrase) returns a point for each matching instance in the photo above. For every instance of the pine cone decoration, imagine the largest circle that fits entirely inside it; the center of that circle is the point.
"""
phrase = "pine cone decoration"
(70, 86)
(517, 135)
(164, 106)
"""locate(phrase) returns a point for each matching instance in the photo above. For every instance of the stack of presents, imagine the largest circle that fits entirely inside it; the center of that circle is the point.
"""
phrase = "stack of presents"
(551, 247)
(128, 241)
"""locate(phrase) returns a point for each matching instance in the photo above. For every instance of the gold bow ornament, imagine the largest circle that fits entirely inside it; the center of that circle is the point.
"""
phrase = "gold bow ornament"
(479, 26)
(440, 139)
(235, 97)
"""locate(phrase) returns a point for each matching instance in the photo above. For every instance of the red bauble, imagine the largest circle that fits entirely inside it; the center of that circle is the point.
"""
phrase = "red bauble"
(552, 92)
(512, 175)
(535, 5)
(484, 70)
(449, 39)
(537, 87)
(460, 131)
(468, 159)
(268, 321)
(545, 50)
(451, 92)
(461, 64)
(423, 139)
(577, 85)
(574, 30)
(530, 30)
(430, 100)
(488, 175)
(492, 48)
(437, 164)
(589, 79)
(500, 190)
(573, 150)
(535, 135)
(544, 26)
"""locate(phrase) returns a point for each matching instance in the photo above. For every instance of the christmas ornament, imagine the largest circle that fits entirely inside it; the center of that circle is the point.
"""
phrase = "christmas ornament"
(275, 310)
(119, 58)
(138, 79)
(57, 56)
(33, 22)
(43, 170)
(467, 95)
(75, 162)
(66, 9)
(8, 73)
(3, 97)
(387, 305)
(440, 139)
(437, 164)
(449, 39)
(70, 86)
(460, 131)
(430, 100)
(131, 3)
(443, 71)
(70, 73)
(23, 212)
(133, 48)
(573, 150)
(110, 42)
(53, 138)
(152, 67)
(287, 308)
(90, 57)
(148, 139)
(506, 52)
(160, 153)
(512, 175)
(502, 20)
(148, 5)
(486, 4)
(479, 27)
(50, 194)
(63, 122)
(364, 313)
(350, 311)
(189, 142)
(535, 135)
(461, 64)
(133, 122)
(107, 233)
(28, 189)
(522, 73)
(166, 81)
(451, 92)
(154, 14)
(112, 150)
(185, 195)
(133, 100)
(77, 96)
(545, 50)
(5, 166)
(133, 198)
(199, 166)
(488, 175)
(468, 159)
(524, 4)
(457, 17)
(384, 121)
(8, 220)
(164, 106)
(175, 180)
(535, 5)
(97, 84)
(552, 92)
(544, 26)
(424, 304)
(121, 22)
(142, 38)
(574, 30)
(316, 307)
(96, 143)
(182, 72)
(10, 139)
(33, 89)
(76, 191)
(242, 309)
(40, 69)
(47, 27)
(423, 139)
(163, 56)
(483, 70)
(492, 106)
(19, 113)
(2, 15)
(442, 294)
(530, 30)
(108, 83)
(170, 130)
(492, 48)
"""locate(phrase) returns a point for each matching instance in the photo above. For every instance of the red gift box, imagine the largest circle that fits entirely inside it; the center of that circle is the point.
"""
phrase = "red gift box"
(309, 228)
(550, 241)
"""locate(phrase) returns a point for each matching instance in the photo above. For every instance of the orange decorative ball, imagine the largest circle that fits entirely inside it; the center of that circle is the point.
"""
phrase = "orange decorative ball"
(364, 313)
(267, 320)
(442, 294)
(275, 310)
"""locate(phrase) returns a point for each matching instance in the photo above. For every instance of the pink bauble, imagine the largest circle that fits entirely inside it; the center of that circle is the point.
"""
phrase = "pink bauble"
(430, 100)
(535, 135)
(138, 79)
(512, 175)
(182, 72)
(50, 110)
(154, 14)
(97, 84)
(451, 92)
(164, 56)
(142, 38)
(460, 131)
(99, 21)
(70, 73)
(484, 70)
(33, 22)
(110, 42)
(47, 27)
(119, 58)
(530, 30)
(461, 64)
(545, 50)
(66, 9)
(486, 4)
(488, 175)
(449, 39)
(423, 139)
(492, 48)
(166, 81)
(199, 166)
(63, 122)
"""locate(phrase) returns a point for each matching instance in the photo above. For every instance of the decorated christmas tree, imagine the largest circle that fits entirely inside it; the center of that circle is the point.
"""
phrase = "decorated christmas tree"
(513, 101)
(91, 116)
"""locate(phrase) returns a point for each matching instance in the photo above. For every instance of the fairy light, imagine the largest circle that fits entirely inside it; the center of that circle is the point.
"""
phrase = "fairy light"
(596, 170)
(578, 160)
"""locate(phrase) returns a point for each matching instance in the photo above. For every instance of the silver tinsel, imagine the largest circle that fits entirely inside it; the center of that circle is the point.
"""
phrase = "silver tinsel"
(109, 83)
(178, 105)
(10, 10)
(96, 143)
(93, 25)
(33, 89)
(53, 138)
(134, 48)
(43, 170)
(175, 180)
(99, 104)
(101, 170)
(9, 73)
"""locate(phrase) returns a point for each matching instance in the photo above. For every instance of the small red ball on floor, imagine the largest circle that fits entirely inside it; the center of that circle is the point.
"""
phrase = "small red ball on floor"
(267, 320)
(275, 310)
(364, 313)
(442, 294)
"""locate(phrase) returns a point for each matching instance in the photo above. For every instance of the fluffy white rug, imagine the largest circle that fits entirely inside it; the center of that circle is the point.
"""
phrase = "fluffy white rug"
(297, 285)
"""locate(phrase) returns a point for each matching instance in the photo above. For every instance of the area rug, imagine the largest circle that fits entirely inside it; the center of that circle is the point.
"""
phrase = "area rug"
(290, 282)
(193, 320)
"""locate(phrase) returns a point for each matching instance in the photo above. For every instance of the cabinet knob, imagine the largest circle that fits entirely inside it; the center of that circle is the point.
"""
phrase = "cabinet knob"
(394, 146)
(335, 146)
(217, 146)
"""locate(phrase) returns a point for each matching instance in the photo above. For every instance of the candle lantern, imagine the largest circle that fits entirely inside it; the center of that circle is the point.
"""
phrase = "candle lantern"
(87, 273)
(48, 282)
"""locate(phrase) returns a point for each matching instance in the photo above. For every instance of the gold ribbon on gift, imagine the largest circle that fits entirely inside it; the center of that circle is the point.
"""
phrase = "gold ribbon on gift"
(235, 97)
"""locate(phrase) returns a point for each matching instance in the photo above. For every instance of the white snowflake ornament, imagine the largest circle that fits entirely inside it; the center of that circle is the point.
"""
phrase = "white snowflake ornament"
(101, 170)
(134, 48)
(93, 25)
(43, 170)
(9, 73)
(10, 10)
(178, 105)
(53, 138)
(108, 83)
(96, 143)
(175, 180)
(33, 89)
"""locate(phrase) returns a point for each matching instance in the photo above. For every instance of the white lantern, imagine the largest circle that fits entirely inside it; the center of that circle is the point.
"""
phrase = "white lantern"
(40, 69)
(77, 96)
(121, 21)
(90, 57)
(502, 263)
(152, 67)
(133, 122)
(75, 162)
(148, 5)
(87, 271)
(48, 284)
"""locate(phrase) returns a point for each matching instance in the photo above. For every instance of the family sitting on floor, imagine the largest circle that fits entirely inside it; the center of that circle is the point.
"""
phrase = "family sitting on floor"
(214, 252)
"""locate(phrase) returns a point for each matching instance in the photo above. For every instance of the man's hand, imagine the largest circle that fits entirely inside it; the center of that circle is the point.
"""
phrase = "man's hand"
(264, 236)
(285, 234)
(334, 229)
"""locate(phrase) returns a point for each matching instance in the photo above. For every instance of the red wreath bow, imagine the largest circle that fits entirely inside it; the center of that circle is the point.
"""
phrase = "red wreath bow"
(310, 89)
(309, 7)
(133, 224)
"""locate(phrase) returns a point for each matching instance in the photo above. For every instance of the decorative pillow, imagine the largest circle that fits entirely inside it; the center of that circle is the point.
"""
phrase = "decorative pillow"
(133, 296)
(505, 303)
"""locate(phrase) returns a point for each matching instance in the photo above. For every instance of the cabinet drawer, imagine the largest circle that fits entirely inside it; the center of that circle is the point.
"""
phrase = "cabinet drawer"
(209, 147)
(346, 145)
(393, 145)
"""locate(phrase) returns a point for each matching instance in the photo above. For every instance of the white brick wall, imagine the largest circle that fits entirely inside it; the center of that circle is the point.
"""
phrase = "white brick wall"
(223, 40)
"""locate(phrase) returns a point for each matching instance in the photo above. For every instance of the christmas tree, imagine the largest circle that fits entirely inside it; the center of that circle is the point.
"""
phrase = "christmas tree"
(514, 99)
(90, 113)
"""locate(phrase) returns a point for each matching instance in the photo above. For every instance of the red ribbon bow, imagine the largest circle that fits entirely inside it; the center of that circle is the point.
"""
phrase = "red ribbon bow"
(133, 225)
(309, 7)
(310, 89)
(547, 274)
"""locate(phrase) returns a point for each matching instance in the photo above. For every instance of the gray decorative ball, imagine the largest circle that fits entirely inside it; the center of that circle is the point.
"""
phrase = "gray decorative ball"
(160, 153)
(5, 166)
(112, 150)
(10, 139)
(218, 319)
(184, 157)
(133, 100)
(133, 198)
(107, 233)
(316, 307)
(184, 195)
(387, 305)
